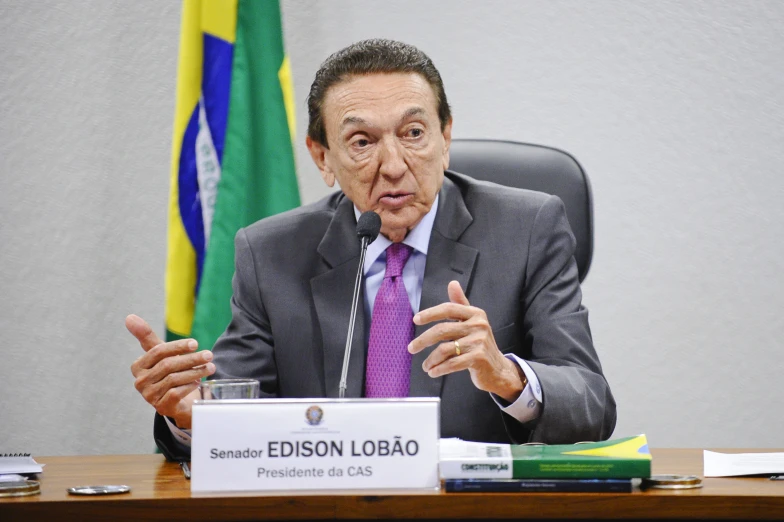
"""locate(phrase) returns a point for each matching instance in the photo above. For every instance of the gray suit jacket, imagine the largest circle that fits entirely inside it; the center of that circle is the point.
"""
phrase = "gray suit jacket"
(510, 249)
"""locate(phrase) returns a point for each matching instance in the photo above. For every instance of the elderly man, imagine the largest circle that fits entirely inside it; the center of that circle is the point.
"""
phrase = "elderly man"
(471, 291)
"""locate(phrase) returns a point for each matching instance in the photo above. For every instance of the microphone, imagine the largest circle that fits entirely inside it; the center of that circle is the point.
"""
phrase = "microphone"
(368, 227)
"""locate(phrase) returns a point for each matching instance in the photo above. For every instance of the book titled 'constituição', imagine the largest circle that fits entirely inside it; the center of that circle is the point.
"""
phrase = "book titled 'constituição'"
(622, 458)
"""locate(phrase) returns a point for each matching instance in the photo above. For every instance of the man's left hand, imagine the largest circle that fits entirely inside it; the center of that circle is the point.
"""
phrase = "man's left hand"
(466, 343)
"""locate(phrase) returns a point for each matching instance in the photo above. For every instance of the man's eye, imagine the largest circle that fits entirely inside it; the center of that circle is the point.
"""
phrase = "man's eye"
(361, 143)
(415, 133)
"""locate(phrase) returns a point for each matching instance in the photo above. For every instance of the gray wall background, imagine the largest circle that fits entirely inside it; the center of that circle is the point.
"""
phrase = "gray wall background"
(675, 109)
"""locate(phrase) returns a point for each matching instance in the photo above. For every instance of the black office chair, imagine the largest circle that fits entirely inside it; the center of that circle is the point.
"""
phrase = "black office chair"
(534, 167)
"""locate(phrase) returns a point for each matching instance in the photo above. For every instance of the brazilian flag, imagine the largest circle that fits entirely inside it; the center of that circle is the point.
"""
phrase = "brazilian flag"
(232, 155)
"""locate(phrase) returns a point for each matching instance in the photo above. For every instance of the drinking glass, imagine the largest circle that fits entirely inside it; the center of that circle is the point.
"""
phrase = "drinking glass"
(229, 389)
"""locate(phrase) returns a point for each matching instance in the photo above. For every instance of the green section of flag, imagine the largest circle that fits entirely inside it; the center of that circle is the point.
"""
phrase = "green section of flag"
(258, 174)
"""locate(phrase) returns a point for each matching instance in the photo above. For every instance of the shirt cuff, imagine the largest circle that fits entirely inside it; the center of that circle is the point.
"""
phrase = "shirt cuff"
(180, 435)
(528, 406)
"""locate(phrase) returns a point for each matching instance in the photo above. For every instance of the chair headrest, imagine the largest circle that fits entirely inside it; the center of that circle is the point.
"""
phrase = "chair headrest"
(533, 167)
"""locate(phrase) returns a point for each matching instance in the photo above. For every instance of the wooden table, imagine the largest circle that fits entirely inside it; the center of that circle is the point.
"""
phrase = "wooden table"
(160, 492)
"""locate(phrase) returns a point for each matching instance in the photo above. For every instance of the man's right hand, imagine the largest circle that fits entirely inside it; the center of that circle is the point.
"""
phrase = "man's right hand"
(168, 374)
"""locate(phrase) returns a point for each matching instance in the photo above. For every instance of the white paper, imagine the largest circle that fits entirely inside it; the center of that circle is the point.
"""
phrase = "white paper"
(12, 478)
(453, 448)
(739, 464)
(467, 459)
(19, 464)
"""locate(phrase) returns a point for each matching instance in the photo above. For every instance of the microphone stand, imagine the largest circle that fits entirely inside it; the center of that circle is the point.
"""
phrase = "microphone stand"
(365, 241)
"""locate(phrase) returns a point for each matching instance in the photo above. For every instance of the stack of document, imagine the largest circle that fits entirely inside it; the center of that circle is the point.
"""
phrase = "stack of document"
(614, 465)
(19, 463)
(740, 464)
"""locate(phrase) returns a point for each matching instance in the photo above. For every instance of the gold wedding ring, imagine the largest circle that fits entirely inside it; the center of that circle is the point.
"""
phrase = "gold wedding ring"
(457, 348)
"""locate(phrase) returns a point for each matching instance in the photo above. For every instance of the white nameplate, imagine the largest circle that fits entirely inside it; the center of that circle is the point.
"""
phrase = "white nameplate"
(314, 444)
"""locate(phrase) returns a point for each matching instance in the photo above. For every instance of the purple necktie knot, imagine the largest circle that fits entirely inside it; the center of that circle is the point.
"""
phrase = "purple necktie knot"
(397, 256)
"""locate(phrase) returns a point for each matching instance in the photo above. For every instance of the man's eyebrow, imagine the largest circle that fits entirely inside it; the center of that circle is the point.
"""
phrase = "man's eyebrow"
(356, 120)
(352, 120)
(413, 111)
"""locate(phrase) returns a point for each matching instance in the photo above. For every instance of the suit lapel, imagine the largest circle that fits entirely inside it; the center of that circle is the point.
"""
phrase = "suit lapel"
(332, 293)
(447, 260)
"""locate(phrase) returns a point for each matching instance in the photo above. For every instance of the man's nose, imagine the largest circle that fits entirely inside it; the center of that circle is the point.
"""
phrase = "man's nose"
(392, 162)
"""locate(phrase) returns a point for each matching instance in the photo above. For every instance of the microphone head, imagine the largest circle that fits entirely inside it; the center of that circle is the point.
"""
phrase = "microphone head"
(369, 225)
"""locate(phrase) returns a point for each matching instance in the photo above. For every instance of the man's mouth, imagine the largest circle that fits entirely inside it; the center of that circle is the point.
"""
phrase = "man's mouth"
(396, 200)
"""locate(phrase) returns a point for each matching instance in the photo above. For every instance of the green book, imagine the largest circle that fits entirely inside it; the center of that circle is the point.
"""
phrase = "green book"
(627, 457)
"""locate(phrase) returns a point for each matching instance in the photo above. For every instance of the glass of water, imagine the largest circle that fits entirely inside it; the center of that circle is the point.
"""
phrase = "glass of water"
(229, 389)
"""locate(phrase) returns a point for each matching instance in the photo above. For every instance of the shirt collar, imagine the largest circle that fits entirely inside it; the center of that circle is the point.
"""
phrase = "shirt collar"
(418, 238)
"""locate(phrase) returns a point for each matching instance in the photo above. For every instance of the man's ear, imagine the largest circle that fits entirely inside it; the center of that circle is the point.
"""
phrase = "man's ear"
(319, 154)
(447, 133)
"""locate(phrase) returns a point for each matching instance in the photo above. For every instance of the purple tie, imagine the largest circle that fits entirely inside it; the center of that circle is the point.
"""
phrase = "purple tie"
(391, 329)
